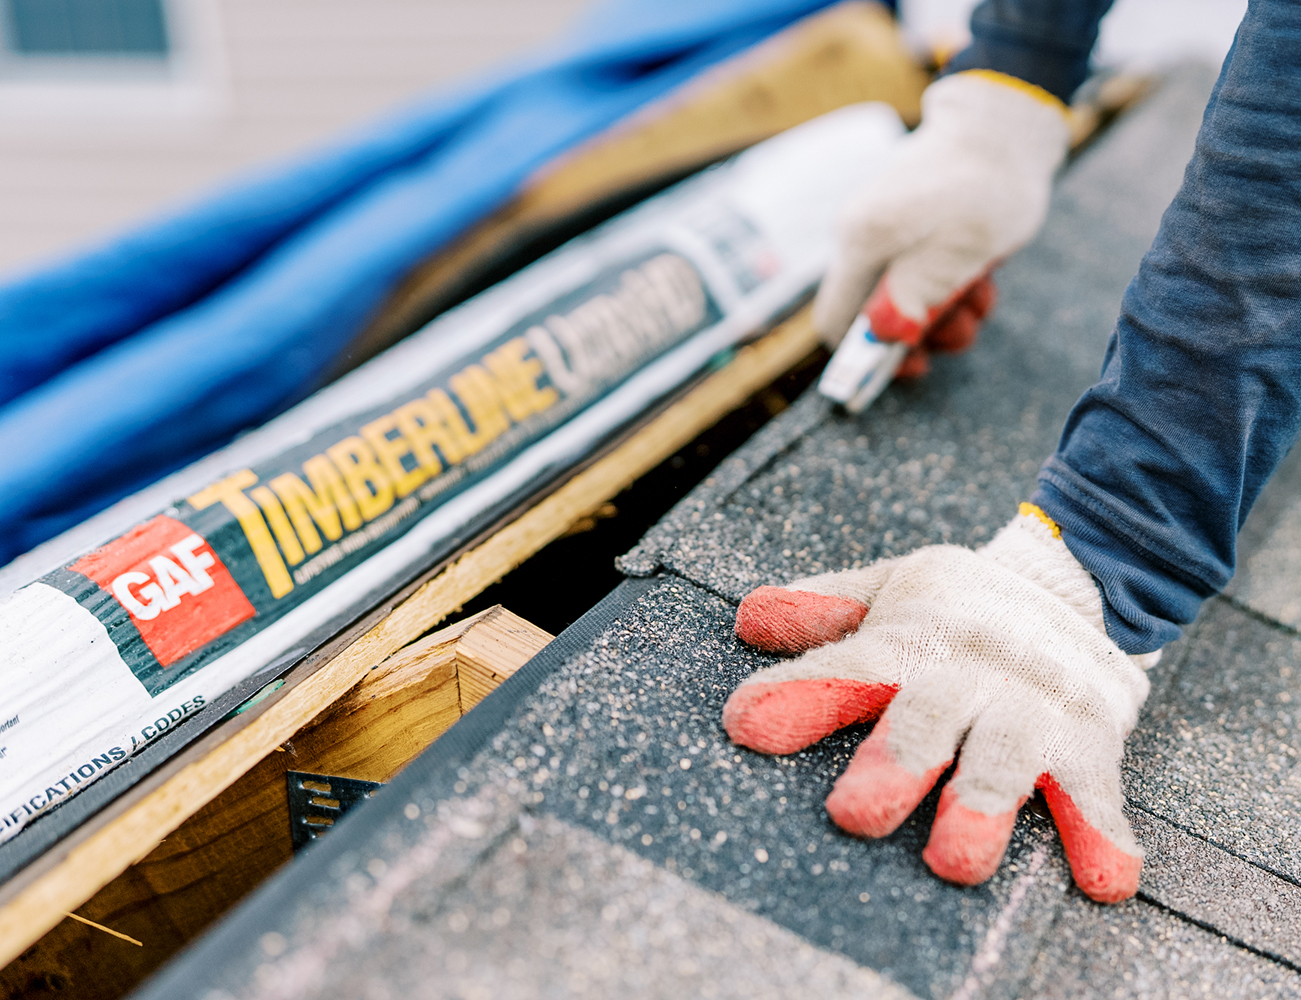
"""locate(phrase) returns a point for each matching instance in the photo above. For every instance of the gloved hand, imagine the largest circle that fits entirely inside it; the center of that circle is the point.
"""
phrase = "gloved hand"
(1001, 650)
(969, 187)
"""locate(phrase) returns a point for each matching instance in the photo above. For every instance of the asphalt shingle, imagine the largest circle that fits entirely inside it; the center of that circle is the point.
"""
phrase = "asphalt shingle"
(1268, 580)
(620, 752)
(1216, 750)
(1189, 876)
(611, 768)
(622, 745)
(544, 909)
(1140, 952)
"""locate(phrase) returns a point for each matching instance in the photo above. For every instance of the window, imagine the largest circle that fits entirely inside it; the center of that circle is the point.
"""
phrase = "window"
(104, 61)
(116, 30)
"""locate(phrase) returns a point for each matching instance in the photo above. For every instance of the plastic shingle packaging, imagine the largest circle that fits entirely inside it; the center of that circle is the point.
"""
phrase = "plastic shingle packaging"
(222, 576)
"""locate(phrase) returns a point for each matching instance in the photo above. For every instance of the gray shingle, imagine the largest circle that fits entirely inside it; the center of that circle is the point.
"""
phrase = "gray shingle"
(1216, 750)
(647, 699)
(438, 901)
(1186, 874)
(616, 771)
(554, 910)
(1268, 580)
(1138, 952)
(543, 910)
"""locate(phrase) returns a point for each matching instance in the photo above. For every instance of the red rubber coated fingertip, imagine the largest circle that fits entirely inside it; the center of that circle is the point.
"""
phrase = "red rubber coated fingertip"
(785, 717)
(966, 846)
(777, 620)
(1101, 869)
(955, 333)
(888, 323)
(981, 296)
(916, 363)
(875, 794)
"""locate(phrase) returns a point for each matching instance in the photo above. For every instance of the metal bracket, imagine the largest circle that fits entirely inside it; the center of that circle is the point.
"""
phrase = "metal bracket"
(318, 801)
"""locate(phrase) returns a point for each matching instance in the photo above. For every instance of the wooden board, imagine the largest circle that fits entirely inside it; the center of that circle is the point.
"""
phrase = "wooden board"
(852, 52)
(232, 844)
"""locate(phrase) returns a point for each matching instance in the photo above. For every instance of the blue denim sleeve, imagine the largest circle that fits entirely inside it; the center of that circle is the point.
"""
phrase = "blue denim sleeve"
(1200, 394)
(1044, 42)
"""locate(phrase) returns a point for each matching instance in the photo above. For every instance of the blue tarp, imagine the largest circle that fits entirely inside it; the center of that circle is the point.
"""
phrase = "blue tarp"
(142, 355)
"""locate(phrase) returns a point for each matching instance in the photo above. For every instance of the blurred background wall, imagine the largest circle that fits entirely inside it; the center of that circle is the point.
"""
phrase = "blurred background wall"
(110, 109)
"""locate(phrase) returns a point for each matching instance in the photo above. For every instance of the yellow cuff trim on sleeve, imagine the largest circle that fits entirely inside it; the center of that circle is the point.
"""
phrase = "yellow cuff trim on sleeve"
(1016, 83)
(1030, 510)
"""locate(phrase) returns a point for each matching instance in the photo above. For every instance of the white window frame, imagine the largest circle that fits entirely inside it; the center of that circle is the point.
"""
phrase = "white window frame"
(189, 82)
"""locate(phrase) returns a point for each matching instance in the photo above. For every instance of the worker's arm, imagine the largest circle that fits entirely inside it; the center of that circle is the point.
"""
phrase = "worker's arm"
(1200, 396)
(1029, 653)
(969, 187)
(1043, 42)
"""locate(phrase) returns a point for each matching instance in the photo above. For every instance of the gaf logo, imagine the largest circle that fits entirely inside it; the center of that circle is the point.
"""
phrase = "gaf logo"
(169, 583)
(178, 592)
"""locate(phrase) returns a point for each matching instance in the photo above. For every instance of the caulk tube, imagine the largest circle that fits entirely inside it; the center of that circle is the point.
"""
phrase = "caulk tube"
(131, 624)
(861, 368)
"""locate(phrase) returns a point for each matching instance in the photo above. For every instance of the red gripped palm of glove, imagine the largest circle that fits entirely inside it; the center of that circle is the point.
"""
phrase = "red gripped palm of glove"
(1001, 652)
(949, 328)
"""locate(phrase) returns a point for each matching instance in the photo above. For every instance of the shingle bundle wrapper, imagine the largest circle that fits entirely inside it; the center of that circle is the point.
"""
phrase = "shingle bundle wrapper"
(136, 358)
(119, 633)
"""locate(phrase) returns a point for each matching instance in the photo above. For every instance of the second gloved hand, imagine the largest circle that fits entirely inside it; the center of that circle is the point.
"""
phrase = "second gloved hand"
(969, 186)
(1000, 651)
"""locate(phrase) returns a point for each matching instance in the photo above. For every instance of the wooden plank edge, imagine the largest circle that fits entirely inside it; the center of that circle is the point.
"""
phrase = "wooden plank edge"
(850, 52)
(108, 852)
(493, 643)
(489, 655)
(391, 671)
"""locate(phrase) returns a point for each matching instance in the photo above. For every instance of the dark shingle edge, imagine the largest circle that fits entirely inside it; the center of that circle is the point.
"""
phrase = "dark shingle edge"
(646, 558)
(431, 777)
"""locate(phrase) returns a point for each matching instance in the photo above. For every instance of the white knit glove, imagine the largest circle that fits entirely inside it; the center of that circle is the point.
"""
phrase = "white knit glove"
(968, 187)
(1002, 651)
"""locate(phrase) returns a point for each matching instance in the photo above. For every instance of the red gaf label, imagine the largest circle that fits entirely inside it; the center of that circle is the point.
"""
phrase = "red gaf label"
(177, 591)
